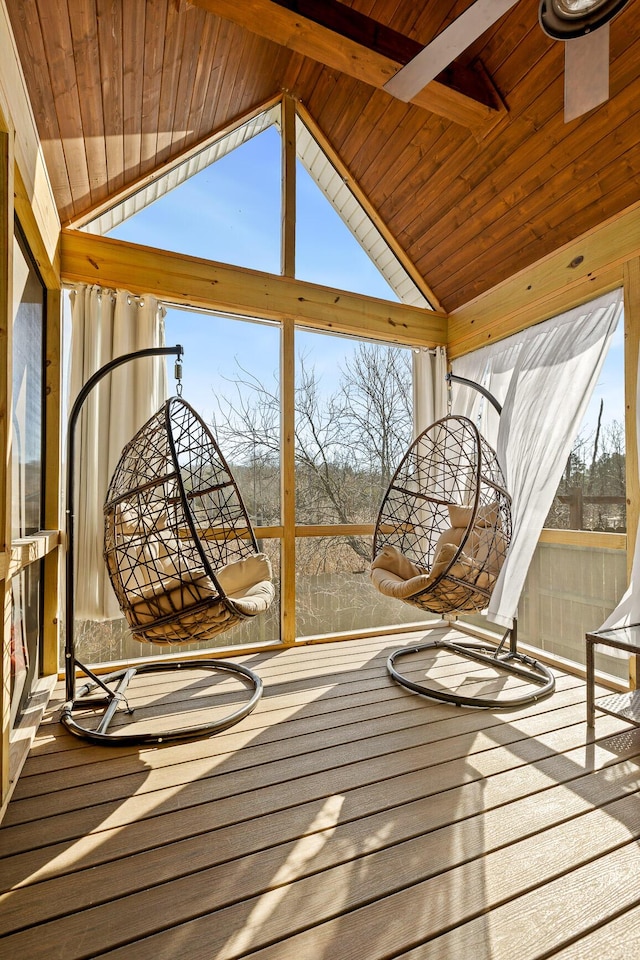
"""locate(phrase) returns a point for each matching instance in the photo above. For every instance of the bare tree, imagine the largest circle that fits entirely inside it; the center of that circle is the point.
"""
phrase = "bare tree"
(348, 441)
(594, 475)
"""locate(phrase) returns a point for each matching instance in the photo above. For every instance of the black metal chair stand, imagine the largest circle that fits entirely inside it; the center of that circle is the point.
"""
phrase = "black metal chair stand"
(493, 656)
(181, 597)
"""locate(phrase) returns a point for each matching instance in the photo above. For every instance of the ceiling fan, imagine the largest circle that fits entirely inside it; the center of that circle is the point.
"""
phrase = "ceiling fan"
(583, 25)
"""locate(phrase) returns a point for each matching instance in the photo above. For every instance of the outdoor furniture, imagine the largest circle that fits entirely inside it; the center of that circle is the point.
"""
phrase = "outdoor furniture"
(444, 525)
(182, 558)
(441, 537)
(623, 705)
(180, 550)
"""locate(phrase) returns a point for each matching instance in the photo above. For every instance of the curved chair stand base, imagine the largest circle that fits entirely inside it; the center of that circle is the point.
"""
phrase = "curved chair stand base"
(111, 699)
(516, 664)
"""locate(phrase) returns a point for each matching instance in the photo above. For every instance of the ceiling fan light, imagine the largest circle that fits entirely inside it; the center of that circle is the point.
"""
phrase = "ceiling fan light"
(568, 19)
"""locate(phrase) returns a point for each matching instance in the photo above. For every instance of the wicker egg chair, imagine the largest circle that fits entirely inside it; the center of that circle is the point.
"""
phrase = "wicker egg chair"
(441, 537)
(180, 550)
(182, 558)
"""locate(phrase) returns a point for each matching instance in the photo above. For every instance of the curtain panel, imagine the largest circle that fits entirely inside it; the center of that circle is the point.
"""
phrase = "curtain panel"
(107, 324)
(429, 387)
(544, 378)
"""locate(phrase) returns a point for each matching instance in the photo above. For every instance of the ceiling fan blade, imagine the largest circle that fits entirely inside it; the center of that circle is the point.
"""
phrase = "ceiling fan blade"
(586, 73)
(444, 48)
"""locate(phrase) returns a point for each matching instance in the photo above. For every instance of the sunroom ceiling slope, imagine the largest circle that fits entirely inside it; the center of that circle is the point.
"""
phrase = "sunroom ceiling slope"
(181, 171)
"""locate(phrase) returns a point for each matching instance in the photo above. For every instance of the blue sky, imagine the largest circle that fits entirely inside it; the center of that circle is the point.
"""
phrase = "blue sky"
(230, 212)
(610, 386)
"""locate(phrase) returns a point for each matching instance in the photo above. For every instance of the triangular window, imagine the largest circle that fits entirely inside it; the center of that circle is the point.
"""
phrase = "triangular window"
(382, 269)
(223, 203)
(228, 212)
(326, 250)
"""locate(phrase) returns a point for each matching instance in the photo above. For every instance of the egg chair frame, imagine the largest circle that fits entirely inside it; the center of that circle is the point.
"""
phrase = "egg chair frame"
(441, 537)
(203, 586)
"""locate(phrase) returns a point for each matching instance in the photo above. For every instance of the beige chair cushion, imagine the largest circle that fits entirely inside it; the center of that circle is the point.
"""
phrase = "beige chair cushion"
(128, 522)
(255, 599)
(159, 566)
(460, 517)
(442, 558)
(488, 547)
(451, 536)
(391, 585)
(244, 574)
(487, 515)
(394, 575)
(486, 544)
(175, 594)
(393, 561)
(158, 601)
(200, 624)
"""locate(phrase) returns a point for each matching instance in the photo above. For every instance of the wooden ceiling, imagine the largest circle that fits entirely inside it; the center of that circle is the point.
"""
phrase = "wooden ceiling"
(476, 179)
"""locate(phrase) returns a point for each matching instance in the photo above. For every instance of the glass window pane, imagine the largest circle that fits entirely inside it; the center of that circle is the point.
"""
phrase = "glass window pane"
(326, 250)
(229, 211)
(353, 424)
(231, 378)
(27, 437)
(25, 635)
(334, 593)
(592, 492)
(568, 592)
(111, 640)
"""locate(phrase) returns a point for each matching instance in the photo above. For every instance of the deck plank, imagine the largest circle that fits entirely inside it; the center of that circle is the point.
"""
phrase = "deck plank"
(344, 817)
(148, 792)
(270, 742)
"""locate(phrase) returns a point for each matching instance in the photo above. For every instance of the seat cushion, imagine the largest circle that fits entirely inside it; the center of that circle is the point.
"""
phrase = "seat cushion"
(391, 585)
(394, 561)
(255, 599)
(157, 601)
(487, 515)
(241, 575)
(177, 595)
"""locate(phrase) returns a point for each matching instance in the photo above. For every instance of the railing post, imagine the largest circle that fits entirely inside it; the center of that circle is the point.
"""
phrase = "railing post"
(575, 508)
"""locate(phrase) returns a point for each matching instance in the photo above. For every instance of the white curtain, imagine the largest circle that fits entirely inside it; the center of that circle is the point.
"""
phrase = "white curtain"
(105, 325)
(544, 378)
(429, 387)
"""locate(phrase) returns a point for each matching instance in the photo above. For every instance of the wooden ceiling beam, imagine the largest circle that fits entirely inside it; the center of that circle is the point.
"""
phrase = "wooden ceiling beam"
(346, 40)
(181, 279)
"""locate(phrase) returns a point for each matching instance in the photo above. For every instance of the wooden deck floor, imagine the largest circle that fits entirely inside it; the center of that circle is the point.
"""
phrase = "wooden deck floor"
(345, 818)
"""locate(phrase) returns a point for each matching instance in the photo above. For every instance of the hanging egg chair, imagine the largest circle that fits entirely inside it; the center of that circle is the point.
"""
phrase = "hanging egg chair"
(444, 525)
(182, 558)
(180, 550)
(441, 538)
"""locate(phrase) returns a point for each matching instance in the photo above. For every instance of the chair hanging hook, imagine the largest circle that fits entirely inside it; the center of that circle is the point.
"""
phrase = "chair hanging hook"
(177, 372)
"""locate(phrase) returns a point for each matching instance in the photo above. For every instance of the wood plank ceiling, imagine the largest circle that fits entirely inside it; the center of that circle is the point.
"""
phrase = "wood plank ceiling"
(120, 87)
